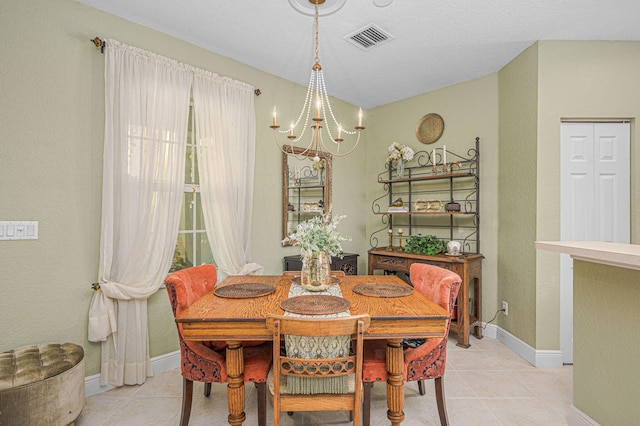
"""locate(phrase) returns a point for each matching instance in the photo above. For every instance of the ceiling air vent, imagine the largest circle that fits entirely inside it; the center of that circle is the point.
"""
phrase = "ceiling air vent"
(368, 37)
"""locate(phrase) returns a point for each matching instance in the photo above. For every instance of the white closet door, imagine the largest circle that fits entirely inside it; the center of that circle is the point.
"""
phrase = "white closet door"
(595, 200)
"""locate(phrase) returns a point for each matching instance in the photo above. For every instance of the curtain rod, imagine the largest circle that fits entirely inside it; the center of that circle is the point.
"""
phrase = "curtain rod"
(100, 44)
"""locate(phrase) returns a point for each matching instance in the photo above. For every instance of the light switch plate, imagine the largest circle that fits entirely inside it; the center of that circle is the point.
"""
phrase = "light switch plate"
(18, 230)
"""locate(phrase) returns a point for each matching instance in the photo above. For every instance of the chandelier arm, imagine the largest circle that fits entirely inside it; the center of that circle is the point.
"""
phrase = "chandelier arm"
(337, 153)
(299, 156)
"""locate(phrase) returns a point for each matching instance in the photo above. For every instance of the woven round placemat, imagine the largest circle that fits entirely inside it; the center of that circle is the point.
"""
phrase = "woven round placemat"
(244, 290)
(298, 280)
(312, 304)
(430, 128)
(383, 290)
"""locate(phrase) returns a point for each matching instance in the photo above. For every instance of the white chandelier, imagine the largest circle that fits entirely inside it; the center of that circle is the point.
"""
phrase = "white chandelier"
(317, 96)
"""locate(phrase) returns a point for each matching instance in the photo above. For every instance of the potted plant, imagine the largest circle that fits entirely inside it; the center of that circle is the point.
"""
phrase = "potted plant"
(427, 244)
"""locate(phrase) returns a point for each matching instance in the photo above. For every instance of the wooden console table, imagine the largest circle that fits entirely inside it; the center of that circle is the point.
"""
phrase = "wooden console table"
(468, 266)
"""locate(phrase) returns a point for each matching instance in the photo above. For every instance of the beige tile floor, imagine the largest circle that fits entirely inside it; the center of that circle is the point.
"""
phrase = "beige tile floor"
(486, 384)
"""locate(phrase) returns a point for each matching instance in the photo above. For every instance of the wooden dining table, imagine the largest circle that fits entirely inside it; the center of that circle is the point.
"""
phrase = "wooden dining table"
(235, 320)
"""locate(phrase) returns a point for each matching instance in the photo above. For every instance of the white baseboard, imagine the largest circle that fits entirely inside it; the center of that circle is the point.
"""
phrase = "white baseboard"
(578, 418)
(537, 358)
(158, 364)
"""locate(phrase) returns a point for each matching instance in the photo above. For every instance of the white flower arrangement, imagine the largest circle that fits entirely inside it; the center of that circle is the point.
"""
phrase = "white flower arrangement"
(399, 152)
(319, 234)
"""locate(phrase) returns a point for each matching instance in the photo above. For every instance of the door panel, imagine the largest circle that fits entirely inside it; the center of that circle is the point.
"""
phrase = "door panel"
(595, 200)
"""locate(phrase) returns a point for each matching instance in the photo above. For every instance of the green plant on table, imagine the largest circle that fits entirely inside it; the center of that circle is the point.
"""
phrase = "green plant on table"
(427, 244)
(319, 234)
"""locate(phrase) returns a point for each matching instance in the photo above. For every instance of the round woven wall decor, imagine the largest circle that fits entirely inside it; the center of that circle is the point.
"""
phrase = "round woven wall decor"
(430, 128)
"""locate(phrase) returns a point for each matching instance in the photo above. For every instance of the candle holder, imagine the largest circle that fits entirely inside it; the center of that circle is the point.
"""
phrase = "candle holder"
(297, 181)
(399, 248)
(445, 168)
(390, 246)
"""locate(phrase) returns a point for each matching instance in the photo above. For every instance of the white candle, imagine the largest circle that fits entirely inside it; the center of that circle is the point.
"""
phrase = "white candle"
(339, 131)
(318, 108)
(444, 154)
(433, 157)
(360, 118)
(275, 121)
(291, 130)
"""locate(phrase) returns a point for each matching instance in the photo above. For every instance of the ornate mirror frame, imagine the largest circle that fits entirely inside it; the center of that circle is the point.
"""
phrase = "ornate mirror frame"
(301, 184)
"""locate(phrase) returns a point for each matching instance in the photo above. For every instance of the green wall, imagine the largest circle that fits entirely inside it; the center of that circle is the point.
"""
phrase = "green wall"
(578, 79)
(51, 133)
(517, 193)
(606, 368)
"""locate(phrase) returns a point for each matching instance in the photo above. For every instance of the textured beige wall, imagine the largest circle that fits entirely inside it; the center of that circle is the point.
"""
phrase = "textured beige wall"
(606, 368)
(51, 133)
(549, 82)
(517, 193)
(469, 109)
(586, 80)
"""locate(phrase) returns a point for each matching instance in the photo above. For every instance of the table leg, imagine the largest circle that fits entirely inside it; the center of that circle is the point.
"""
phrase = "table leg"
(235, 383)
(395, 383)
(463, 315)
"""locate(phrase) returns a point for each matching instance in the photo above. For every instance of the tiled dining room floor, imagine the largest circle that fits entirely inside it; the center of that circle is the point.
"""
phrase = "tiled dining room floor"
(486, 384)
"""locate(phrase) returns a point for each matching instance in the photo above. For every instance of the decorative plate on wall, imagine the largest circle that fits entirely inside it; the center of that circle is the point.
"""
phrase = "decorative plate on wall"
(430, 128)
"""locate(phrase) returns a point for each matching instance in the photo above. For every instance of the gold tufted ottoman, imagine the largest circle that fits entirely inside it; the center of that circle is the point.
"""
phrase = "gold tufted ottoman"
(41, 384)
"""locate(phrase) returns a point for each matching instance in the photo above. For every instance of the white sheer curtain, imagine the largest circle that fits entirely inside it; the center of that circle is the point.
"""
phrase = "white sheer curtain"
(147, 107)
(225, 127)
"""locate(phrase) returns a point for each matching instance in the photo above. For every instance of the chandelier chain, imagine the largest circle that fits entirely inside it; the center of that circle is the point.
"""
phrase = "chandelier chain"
(317, 60)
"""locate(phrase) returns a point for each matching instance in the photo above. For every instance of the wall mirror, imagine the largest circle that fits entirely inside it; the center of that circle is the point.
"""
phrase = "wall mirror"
(306, 186)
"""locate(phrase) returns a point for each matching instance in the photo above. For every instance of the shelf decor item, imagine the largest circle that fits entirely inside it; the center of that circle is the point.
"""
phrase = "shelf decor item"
(319, 240)
(430, 128)
(452, 206)
(398, 155)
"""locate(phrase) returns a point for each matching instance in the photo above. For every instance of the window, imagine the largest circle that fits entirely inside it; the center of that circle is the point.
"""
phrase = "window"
(192, 247)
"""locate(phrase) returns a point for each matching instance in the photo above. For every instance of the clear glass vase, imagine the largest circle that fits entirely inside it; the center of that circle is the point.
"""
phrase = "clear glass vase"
(400, 169)
(316, 271)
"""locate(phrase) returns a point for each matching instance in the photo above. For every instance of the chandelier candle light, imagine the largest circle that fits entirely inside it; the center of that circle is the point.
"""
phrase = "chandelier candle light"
(317, 94)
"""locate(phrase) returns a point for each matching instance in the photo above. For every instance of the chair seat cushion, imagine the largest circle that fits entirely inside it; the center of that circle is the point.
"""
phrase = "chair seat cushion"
(428, 364)
(200, 363)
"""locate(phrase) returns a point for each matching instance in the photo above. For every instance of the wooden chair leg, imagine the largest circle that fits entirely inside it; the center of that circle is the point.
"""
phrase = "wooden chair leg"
(442, 408)
(421, 389)
(366, 405)
(261, 388)
(187, 396)
(207, 389)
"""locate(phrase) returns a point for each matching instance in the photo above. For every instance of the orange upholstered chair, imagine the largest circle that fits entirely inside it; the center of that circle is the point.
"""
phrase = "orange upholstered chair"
(426, 361)
(205, 361)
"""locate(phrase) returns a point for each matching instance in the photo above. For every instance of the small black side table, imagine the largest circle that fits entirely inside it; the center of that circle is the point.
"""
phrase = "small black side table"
(348, 263)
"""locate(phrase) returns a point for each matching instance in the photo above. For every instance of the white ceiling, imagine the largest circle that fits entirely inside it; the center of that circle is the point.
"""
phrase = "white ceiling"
(435, 43)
